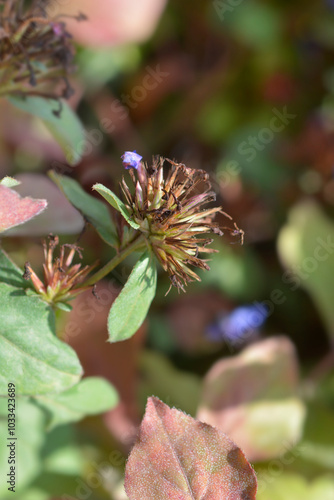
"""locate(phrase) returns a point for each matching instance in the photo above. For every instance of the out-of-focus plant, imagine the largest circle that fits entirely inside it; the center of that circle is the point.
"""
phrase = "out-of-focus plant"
(163, 218)
(36, 59)
(243, 90)
(109, 20)
(36, 52)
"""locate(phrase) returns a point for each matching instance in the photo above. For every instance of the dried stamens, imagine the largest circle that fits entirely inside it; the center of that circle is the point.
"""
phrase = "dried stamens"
(170, 214)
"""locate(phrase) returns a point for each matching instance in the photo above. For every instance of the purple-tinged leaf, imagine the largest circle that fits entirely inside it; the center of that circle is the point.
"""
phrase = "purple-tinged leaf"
(60, 217)
(179, 458)
(253, 397)
(15, 210)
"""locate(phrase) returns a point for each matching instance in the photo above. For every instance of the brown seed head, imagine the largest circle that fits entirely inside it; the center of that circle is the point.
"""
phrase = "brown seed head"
(169, 211)
(62, 280)
(35, 52)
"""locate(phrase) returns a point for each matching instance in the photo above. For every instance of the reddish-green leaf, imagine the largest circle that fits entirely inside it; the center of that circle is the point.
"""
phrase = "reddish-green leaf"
(254, 398)
(179, 458)
(15, 210)
(60, 217)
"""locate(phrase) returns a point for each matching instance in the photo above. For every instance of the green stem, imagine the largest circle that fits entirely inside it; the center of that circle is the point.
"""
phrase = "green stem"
(137, 244)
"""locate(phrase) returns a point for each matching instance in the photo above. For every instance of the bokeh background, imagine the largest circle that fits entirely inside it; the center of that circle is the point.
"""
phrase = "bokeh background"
(245, 90)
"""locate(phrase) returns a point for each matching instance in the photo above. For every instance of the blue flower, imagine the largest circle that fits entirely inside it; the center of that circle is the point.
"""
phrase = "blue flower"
(238, 326)
(131, 159)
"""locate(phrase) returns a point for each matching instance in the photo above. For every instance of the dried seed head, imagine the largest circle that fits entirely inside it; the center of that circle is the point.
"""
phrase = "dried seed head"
(62, 280)
(35, 52)
(169, 211)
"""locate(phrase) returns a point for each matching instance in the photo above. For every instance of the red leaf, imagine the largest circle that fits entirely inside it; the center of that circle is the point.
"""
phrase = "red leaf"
(179, 458)
(15, 210)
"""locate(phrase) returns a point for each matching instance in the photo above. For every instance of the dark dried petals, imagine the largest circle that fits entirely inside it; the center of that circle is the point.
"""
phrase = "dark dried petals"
(34, 50)
(27, 271)
(169, 212)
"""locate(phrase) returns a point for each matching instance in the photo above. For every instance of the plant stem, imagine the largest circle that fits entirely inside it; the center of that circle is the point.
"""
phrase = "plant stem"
(137, 244)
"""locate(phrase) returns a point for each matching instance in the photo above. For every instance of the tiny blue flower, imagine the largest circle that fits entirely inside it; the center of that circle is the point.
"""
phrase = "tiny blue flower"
(131, 159)
(239, 325)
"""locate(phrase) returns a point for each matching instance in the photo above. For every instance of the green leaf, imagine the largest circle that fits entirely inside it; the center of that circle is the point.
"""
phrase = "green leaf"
(32, 494)
(90, 396)
(66, 128)
(94, 210)
(256, 24)
(9, 182)
(239, 275)
(64, 306)
(131, 306)
(317, 446)
(306, 247)
(31, 356)
(10, 273)
(62, 453)
(115, 202)
(158, 376)
(99, 65)
(30, 433)
(67, 468)
(290, 486)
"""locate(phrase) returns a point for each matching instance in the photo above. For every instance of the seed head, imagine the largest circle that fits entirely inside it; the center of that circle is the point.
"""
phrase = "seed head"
(169, 212)
(35, 51)
(62, 280)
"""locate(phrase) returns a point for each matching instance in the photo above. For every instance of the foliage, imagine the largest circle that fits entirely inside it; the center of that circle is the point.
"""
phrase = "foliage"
(244, 92)
(177, 457)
